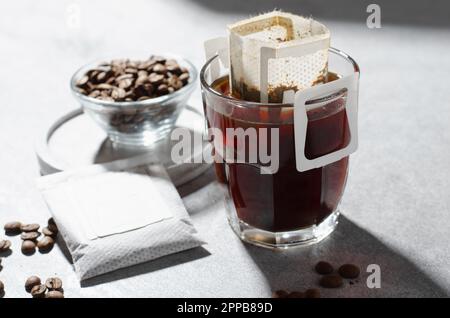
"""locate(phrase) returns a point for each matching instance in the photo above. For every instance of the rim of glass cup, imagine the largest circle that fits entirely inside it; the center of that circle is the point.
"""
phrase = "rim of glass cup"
(193, 75)
(249, 104)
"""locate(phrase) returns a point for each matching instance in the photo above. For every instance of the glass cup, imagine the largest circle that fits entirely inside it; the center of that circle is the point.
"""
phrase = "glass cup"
(286, 208)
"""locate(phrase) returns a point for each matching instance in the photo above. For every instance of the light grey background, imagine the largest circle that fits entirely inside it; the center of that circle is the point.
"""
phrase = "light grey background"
(397, 202)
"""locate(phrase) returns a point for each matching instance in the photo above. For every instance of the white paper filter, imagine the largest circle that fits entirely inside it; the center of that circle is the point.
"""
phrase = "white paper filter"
(274, 52)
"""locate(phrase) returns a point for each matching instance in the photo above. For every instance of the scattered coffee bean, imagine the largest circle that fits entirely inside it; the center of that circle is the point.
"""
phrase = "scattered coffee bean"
(324, 268)
(4, 245)
(51, 221)
(13, 228)
(38, 291)
(312, 293)
(331, 281)
(48, 232)
(31, 282)
(2, 289)
(30, 227)
(296, 294)
(31, 236)
(53, 283)
(349, 271)
(54, 294)
(122, 80)
(46, 243)
(280, 294)
(28, 247)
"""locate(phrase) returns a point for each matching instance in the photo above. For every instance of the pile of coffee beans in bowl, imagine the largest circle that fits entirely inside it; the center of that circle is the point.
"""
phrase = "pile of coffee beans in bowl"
(126, 80)
(136, 102)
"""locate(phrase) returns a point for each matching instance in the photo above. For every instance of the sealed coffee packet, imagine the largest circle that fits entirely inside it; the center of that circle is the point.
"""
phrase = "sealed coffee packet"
(276, 52)
(118, 214)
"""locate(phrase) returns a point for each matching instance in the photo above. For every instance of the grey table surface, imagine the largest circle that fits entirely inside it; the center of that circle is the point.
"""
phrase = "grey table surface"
(396, 209)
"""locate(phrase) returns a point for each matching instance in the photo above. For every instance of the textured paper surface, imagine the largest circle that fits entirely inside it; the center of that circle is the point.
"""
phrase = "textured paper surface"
(257, 65)
(118, 214)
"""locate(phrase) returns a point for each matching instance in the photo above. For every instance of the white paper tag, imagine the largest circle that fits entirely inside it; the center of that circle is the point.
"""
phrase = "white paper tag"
(301, 120)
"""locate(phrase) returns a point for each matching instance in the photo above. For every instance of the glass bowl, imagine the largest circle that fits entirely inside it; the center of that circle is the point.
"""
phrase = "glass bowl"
(137, 123)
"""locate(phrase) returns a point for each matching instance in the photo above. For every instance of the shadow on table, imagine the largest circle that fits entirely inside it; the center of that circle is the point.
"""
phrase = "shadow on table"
(148, 267)
(403, 12)
(348, 244)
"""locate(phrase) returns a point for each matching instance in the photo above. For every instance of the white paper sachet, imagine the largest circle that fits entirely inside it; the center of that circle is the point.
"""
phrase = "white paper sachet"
(275, 52)
(118, 214)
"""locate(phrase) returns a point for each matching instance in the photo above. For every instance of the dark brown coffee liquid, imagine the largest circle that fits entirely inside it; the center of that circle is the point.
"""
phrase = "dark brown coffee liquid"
(287, 200)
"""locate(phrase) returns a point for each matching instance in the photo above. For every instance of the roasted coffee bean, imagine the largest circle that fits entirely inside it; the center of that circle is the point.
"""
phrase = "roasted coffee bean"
(13, 228)
(2, 289)
(163, 89)
(331, 281)
(184, 77)
(30, 236)
(104, 86)
(173, 68)
(349, 271)
(83, 81)
(28, 247)
(4, 245)
(280, 294)
(51, 221)
(324, 268)
(46, 243)
(30, 227)
(53, 283)
(38, 291)
(131, 70)
(54, 294)
(312, 293)
(48, 232)
(31, 282)
(296, 294)
(159, 68)
(118, 93)
(155, 79)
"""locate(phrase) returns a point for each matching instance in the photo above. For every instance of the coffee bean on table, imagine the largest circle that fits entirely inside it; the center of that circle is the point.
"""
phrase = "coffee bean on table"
(13, 227)
(30, 227)
(53, 283)
(31, 236)
(54, 294)
(38, 291)
(280, 294)
(51, 221)
(46, 243)
(349, 271)
(324, 268)
(296, 294)
(312, 293)
(52, 227)
(331, 281)
(31, 282)
(28, 247)
(48, 232)
(2, 289)
(4, 245)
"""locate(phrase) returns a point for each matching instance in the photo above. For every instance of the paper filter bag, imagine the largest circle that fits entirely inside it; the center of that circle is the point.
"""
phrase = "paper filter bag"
(276, 52)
